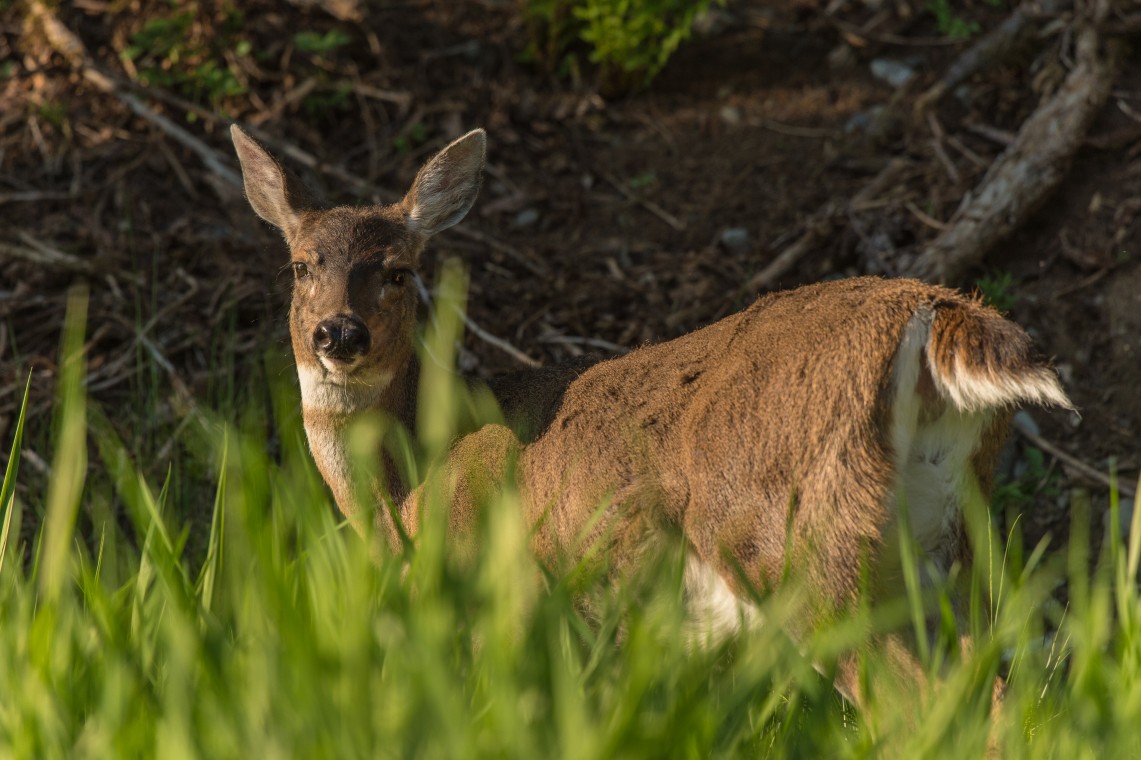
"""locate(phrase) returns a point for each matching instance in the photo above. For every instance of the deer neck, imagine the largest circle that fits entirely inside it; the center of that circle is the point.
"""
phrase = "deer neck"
(329, 410)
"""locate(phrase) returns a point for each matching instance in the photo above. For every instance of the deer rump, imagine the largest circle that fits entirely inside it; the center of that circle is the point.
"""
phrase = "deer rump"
(803, 423)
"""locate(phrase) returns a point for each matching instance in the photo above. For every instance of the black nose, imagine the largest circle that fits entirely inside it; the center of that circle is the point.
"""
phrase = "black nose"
(341, 337)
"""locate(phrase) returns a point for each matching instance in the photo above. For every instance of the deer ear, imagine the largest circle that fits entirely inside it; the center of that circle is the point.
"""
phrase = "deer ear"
(446, 187)
(276, 196)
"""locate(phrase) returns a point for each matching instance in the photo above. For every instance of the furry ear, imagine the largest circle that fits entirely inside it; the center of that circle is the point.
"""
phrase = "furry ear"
(446, 187)
(274, 195)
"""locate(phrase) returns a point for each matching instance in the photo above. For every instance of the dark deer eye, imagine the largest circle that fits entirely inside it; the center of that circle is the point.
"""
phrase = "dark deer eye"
(397, 277)
(300, 270)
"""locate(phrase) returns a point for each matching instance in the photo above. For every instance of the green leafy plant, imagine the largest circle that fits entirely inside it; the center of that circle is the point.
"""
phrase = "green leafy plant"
(320, 44)
(411, 137)
(629, 40)
(950, 23)
(998, 290)
(170, 51)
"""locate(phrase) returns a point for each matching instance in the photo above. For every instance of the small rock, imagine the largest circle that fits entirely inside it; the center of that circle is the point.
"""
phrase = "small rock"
(526, 217)
(863, 120)
(895, 73)
(735, 239)
(842, 58)
(731, 115)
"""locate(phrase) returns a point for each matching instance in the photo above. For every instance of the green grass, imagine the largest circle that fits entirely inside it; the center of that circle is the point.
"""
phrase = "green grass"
(283, 638)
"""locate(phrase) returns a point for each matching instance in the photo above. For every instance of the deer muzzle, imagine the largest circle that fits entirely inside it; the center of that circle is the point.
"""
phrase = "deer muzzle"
(342, 338)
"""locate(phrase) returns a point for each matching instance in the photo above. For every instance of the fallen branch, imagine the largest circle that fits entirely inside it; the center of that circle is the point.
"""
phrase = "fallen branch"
(1028, 171)
(992, 48)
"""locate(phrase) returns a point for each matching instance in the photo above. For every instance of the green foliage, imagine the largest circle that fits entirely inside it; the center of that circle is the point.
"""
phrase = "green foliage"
(285, 639)
(1035, 479)
(320, 44)
(950, 23)
(172, 51)
(998, 290)
(410, 138)
(642, 181)
(629, 40)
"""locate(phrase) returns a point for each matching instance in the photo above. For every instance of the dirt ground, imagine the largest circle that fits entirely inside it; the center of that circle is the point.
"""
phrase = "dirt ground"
(604, 222)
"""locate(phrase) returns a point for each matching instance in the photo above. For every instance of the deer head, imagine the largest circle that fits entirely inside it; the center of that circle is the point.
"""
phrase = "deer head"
(354, 304)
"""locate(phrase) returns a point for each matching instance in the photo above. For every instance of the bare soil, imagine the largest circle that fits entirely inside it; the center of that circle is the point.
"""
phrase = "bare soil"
(618, 220)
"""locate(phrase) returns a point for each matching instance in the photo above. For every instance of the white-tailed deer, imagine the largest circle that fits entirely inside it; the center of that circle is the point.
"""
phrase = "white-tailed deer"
(791, 433)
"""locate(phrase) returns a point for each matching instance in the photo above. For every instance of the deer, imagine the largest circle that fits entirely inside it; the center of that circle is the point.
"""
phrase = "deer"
(806, 430)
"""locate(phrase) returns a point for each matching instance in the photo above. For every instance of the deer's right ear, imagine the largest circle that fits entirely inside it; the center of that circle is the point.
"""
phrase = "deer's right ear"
(446, 187)
(273, 194)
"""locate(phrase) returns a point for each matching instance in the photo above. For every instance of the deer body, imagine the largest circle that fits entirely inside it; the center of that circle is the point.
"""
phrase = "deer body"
(794, 432)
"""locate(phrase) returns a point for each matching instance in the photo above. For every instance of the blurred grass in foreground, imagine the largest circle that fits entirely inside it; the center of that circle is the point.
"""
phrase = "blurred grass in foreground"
(287, 641)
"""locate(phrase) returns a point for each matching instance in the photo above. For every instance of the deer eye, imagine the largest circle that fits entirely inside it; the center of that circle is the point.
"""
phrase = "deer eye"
(300, 270)
(397, 277)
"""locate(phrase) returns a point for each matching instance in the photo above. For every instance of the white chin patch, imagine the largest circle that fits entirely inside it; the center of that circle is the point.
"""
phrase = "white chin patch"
(339, 388)
(339, 370)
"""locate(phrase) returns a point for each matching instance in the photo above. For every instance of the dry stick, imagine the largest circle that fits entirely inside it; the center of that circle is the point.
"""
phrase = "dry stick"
(478, 331)
(40, 253)
(1028, 171)
(1088, 471)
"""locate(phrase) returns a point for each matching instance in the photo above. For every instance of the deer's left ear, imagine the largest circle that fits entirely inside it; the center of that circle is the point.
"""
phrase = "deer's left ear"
(446, 187)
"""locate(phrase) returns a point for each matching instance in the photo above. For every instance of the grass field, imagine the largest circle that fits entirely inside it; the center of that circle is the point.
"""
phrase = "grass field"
(281, 638)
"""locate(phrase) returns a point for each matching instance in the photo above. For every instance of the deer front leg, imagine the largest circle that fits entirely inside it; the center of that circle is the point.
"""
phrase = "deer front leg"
(474, 475)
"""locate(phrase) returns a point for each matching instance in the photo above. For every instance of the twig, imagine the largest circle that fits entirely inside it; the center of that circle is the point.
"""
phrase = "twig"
(536, 266)
(579, 340)
(499, 343)
(478, 331)
(1073, 462)
(40, 253)
(649, 205)
(34, 196)
(793, 130)
(994, 134)
(923, 217)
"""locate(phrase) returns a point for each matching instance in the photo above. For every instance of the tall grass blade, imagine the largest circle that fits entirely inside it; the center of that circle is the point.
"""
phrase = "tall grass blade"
(69, 464)
(143, 507)
(213, 563)
(8, 490)
(1134, 553)
(910, 566)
